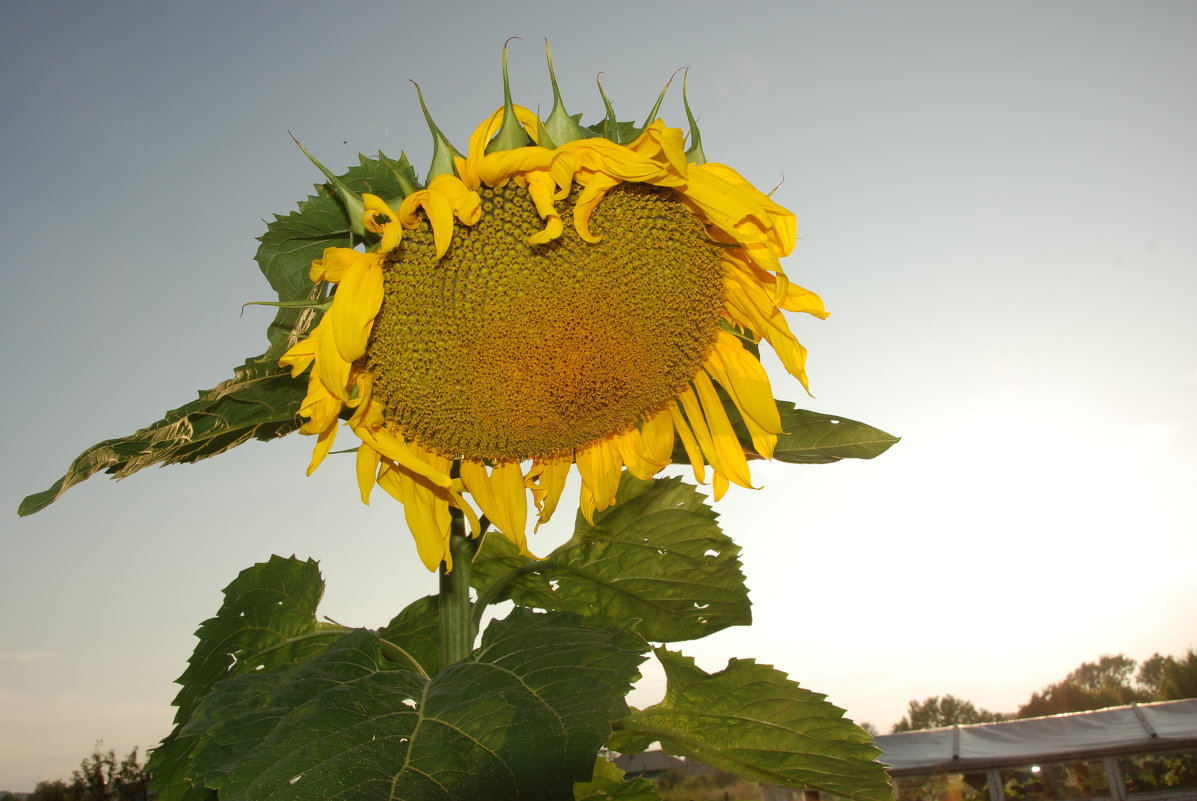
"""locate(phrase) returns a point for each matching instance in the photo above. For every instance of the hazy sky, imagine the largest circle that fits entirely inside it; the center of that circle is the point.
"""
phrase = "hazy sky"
(997, 203)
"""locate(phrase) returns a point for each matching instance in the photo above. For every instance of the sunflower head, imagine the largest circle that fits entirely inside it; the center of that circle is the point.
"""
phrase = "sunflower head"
(556, 296)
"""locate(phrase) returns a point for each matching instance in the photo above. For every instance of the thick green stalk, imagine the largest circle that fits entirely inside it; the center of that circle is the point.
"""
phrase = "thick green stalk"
(457, 632)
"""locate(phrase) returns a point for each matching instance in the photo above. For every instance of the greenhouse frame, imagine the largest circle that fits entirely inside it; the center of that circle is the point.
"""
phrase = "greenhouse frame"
(1139, 752)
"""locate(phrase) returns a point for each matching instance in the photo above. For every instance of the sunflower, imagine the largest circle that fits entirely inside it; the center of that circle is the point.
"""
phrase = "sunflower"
(556, 297)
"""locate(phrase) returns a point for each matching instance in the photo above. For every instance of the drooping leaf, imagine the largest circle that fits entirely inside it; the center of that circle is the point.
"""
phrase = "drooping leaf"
(267, 621)
(521, 718)
(609, 782)
(416, 630)
(261, 401)
(658, 555)
(752, 721)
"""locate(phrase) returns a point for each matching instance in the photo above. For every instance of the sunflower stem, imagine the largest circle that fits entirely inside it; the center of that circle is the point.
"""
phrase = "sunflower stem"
(456, 629)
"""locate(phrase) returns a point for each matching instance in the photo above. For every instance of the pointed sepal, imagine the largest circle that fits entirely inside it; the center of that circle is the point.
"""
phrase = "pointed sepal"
(352, 201)
(652, 115)
(443, 151)
(511, 135)
(561, 126)
(694, 153)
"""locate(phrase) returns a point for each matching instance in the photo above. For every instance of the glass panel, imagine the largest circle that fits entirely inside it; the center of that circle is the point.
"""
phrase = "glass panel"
(942, 787)
(1058, 781)
(1151, 773)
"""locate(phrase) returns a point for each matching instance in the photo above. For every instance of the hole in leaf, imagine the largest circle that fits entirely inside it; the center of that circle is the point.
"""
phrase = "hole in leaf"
(662, 551)
(710, 552)
(697, 605)
(834, 422)
(294, 779)
(554, 584)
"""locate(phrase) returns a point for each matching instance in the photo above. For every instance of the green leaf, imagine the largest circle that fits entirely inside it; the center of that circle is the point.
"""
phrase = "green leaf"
(657, 555)
(809, 438)
(815, 438)
(521, 718)
(752, 721)
(267, 621)
(416, 630)
(609, 782)
(261, 401)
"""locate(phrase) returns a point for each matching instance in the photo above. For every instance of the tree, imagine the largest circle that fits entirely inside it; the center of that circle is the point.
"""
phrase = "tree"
(99, 778)
(1180, 677)
(1150, 677)
(947, 710)
(53, 791)
(1093, 685)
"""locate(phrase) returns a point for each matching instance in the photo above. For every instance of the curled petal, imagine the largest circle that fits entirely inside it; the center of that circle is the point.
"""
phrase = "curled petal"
(382, 220)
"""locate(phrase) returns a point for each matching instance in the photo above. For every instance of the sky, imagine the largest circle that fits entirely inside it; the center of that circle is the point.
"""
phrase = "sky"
(996, 202)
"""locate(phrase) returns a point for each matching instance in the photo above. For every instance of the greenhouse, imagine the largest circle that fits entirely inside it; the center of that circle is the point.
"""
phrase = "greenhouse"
(1140, 752)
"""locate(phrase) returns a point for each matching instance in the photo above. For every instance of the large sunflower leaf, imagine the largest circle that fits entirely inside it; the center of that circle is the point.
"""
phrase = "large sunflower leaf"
(267, 621)
(521, 718)
(658, 555)
(609, 782)
(416, 630)
(752, 721)
(261, 400)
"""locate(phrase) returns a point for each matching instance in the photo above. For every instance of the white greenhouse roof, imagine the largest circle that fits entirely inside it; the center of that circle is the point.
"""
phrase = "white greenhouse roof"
(1132, 729)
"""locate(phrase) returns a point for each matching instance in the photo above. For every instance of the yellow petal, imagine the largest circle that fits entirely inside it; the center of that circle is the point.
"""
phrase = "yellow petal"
(299, 356)
(631, 452)
(591, 194)
(745, 381)
(466, 203)
(367, 470)
(356, 304)
(501, 496)
(382, 219)
(551, 475)
(368, 425)
(732, 462)
(599, 466)
(438, 211)
(426, 509)
(750, 306)
(657, 437)
(333, 264)
(689, 442)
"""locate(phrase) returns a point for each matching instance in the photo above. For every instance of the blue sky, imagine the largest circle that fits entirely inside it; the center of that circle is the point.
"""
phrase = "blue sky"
(996, 203)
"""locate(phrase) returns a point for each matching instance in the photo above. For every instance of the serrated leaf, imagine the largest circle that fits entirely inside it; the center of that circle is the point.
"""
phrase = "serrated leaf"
(609, 782)
(416, 630)
(521, 718)
(261, 401)
(752, 721)
(267, 621)
(657, 555)
(809, 437)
